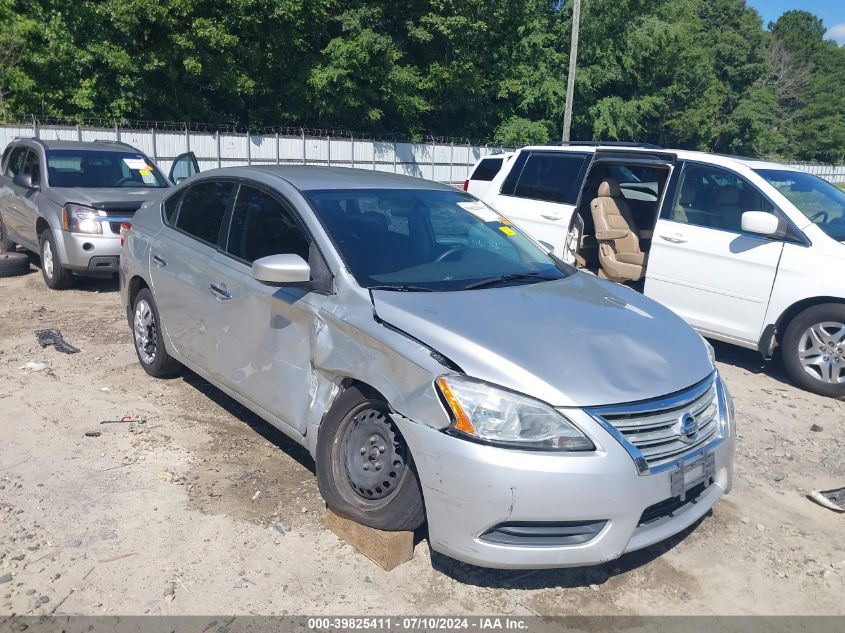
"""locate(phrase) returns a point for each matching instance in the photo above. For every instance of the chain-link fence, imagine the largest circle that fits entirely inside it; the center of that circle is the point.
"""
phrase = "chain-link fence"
(446, 160)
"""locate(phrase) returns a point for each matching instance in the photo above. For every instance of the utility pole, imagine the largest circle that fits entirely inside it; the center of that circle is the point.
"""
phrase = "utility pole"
(573, 62)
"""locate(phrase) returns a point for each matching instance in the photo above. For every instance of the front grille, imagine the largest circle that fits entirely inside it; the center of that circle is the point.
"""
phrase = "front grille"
(667, 429)
(668, 507)
(120, 212)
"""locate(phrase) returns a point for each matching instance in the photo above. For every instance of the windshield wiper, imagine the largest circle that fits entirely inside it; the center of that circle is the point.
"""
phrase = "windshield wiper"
(509, 277)
(397, 288)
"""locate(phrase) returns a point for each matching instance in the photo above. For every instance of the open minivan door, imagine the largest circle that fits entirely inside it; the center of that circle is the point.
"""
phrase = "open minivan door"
(184, 166)
(636, 183)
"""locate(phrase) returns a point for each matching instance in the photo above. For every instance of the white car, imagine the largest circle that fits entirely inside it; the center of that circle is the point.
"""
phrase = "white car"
(484, 172)
(748, 252)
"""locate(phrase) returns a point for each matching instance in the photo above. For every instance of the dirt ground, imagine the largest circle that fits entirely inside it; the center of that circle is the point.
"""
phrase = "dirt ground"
(162, 517)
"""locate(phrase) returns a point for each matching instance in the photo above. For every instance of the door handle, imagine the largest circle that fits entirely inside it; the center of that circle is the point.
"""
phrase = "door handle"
(674, 238)
(219, 293)
(158, 259)
(549, 216)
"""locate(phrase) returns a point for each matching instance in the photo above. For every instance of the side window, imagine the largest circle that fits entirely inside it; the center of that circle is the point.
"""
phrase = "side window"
(715, 198)
(15, 164)
(170, 205)
(487, 169)
(203, 207)
(32, 167)
(551, 176)
(262, 226)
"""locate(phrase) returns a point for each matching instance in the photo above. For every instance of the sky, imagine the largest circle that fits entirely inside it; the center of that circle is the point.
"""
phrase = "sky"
(832, 12)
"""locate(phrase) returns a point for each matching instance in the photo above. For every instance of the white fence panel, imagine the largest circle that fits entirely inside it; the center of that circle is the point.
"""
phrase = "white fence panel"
(446, 162)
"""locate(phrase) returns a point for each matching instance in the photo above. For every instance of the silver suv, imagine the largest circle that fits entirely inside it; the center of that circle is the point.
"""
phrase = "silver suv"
(437, 363)
(66, 200)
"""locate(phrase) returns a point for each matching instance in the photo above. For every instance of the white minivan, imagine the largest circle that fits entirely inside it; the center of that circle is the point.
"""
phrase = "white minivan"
(748, 252)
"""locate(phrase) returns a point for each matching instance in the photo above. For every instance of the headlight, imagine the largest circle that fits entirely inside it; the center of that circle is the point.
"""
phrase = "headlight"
(79, 219)
(497, 416)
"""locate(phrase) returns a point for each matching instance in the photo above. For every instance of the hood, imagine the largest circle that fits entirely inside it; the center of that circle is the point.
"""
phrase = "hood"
(579, 341)
(115, 197)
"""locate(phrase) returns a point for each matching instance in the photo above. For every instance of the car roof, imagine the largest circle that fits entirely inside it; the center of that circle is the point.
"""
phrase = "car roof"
(94, 146)
(683, 154)
(316, 177)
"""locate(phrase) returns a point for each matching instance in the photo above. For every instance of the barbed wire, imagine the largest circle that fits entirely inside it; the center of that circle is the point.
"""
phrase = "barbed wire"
(45, 121)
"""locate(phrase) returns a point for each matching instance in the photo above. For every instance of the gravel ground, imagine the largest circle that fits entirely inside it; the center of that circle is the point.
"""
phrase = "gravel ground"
(160, 517)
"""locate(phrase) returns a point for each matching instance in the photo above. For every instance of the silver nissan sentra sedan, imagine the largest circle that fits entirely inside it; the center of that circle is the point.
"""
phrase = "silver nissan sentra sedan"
(437, 363)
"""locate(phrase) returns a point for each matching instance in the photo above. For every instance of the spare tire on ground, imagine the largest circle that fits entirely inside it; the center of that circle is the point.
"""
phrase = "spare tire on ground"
(13, 264)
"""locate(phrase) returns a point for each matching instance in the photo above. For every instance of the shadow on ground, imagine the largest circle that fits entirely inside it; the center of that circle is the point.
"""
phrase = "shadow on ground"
(751, 361)
(108, 283)
(253, 421)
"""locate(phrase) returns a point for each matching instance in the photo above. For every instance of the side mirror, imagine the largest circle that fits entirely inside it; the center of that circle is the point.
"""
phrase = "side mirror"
(281, 269)
(25, 181)
(760, 222)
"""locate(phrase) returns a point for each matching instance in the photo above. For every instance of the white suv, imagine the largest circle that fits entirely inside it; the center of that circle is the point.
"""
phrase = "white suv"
(748, 252)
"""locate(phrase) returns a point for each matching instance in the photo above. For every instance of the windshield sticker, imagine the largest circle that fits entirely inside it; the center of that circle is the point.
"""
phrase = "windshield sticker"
(136, 163)
(504, 220)
(480, 210)
(507, 230)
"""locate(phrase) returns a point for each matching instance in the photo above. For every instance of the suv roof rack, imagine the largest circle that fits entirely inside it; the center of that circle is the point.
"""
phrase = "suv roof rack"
(111, 142)
(606, 143)
(31, 138)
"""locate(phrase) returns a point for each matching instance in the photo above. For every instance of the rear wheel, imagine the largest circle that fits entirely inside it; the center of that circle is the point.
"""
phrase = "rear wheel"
(814, 349)
(56, 276)
(149, 339)
(6, 245)
(364, 468)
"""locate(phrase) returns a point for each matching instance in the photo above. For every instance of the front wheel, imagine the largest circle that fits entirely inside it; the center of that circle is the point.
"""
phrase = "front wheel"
(814, 349)
(364, 468)
(56, 276)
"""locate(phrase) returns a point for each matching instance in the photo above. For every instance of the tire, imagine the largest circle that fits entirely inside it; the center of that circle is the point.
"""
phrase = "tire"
(12, 264)
(364, 468)
(56, 276)
(813, 349)
(148, 338)
(6, 245)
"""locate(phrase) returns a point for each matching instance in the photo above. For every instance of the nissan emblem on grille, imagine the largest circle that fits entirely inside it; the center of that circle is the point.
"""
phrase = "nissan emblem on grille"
(689, 427)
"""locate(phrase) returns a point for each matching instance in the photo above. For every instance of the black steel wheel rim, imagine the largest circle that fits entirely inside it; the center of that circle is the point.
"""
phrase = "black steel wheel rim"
(375, 456)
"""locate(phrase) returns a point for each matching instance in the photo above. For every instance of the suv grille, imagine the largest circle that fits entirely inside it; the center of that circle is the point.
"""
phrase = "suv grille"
(664, 430)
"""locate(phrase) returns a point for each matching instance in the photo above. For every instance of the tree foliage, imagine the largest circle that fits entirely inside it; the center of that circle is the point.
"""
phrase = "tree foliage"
(701, 74)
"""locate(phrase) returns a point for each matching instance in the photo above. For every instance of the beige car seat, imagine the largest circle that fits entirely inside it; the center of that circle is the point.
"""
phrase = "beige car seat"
(620, 256)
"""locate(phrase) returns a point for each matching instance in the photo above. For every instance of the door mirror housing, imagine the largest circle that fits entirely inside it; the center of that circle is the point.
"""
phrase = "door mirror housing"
(25, 181)
(277, 270)
(760, 222)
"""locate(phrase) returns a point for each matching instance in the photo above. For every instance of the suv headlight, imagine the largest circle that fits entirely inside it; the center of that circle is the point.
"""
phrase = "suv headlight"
(79, 219)
(496, 416)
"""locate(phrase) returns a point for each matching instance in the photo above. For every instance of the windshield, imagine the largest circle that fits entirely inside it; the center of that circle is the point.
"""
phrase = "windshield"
(820, 201)
(401, 239)
(99, 169)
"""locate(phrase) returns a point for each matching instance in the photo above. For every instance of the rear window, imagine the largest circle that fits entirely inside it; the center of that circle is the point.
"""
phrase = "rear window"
(549, 176)
(203, 207)
(487, 169)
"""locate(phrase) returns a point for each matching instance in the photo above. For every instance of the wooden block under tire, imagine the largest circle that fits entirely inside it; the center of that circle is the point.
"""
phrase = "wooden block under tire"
(386, 549)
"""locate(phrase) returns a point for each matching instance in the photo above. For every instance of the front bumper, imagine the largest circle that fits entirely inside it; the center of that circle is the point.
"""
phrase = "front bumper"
(89, 253)
(469, 488)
